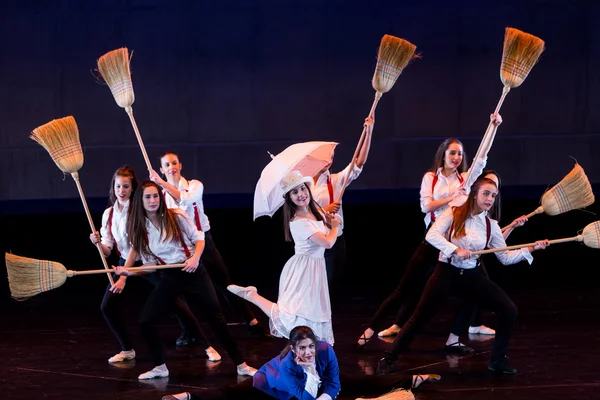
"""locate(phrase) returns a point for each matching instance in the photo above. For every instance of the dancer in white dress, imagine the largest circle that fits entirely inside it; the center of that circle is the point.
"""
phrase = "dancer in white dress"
(303, 289)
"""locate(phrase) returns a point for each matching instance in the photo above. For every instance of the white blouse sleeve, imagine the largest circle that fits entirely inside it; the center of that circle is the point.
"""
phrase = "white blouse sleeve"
(188, 228)
(506, 257)
(436, 236)
(106, 236)
(426, 193)
(193, 195)
(302, 229)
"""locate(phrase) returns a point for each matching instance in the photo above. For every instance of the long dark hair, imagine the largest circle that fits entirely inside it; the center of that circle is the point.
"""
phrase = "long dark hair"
(124, 172)
(136, 221)
(438, 159)
(464, 212)
(297, 334)
(289, 211)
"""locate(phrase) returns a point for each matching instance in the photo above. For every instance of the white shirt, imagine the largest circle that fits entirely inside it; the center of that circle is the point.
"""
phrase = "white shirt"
(474, 240)
(117, 234)
(312, 381)
(190, 192)
(320, 191)
(447, 185)
(172, 252)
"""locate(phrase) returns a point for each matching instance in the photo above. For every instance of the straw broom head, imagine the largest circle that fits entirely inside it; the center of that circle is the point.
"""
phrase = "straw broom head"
(572, 192)
(397, 394)
(521, 52)
(60, 137)
(114, 68)
(394, 54)
(28, 277)
(591, 235)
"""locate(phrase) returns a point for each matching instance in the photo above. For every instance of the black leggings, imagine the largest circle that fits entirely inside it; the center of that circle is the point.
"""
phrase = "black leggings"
(358, 385)
(199, 288)
(111, 303)
(471, 285)
(335, 260)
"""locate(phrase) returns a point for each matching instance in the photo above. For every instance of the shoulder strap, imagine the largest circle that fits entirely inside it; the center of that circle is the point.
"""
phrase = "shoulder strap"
(435, 179)
(488, 231)
(110, 218)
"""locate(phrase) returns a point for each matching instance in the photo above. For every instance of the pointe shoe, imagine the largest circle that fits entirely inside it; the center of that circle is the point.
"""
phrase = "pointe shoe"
(362, 341)
(122, 356)
(391, 331)
(245, 370)
(178, 396)
(212, 354)
(241, 291)
(157, 372)
(481, 330)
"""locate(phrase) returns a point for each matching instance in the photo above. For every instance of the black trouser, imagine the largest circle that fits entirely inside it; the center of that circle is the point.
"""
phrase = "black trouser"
(111, 305)
(219, 274)
(468, 313)
(471, 285)
(408, 292)
(358, 385)
(335, 260)
(199, 288)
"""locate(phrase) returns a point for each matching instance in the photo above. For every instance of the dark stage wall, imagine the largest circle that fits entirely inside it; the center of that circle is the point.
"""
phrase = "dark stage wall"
(223, 82)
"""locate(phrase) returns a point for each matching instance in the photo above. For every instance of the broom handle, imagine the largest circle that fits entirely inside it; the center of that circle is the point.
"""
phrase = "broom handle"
(359, 146)
(486, 142)
(538, 210)
(129, 112)
(71, 273)
(75, 176)
(577, 238)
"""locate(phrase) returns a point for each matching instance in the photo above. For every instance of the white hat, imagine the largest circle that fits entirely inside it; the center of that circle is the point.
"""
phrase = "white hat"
(292, 179)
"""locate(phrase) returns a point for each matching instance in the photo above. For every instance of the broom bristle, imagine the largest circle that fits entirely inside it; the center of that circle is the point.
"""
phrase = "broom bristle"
(28, 277)
(572, 192)
(521, 52)
(591, 235)
(60, 137)
(394, 54)
(396, 394)
(114, 68)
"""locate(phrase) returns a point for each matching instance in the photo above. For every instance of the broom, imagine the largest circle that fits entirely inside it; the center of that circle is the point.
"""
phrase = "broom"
(394, 54)
(28, 277)
(60, 137)
(590, 237)
(574, 191)
(114, 68)
(520, 53)
(396, 394)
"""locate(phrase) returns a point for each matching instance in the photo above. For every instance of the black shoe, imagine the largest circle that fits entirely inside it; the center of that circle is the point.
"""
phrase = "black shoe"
(385, 366)
(258, 331)
(187, 340)
(502, 366)
(183, 340)
(459, 348)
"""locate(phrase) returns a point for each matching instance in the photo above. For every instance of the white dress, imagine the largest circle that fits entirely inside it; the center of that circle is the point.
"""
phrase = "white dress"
(303, 289)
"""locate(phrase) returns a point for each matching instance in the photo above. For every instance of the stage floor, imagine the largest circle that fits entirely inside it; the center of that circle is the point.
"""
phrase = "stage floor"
(56, 346)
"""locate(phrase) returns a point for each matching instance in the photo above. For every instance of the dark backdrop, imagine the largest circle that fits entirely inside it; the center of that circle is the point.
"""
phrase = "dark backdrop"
(223, 82)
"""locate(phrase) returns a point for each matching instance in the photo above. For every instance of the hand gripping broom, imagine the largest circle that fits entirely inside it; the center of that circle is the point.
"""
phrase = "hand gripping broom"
(394, 54)
(520, 53)
(60, 137)
(590, 237)
(574, 191)
(28, 277)
(114, 68)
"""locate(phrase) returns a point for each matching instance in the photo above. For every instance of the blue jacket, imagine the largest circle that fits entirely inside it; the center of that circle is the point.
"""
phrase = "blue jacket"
(283, 379)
